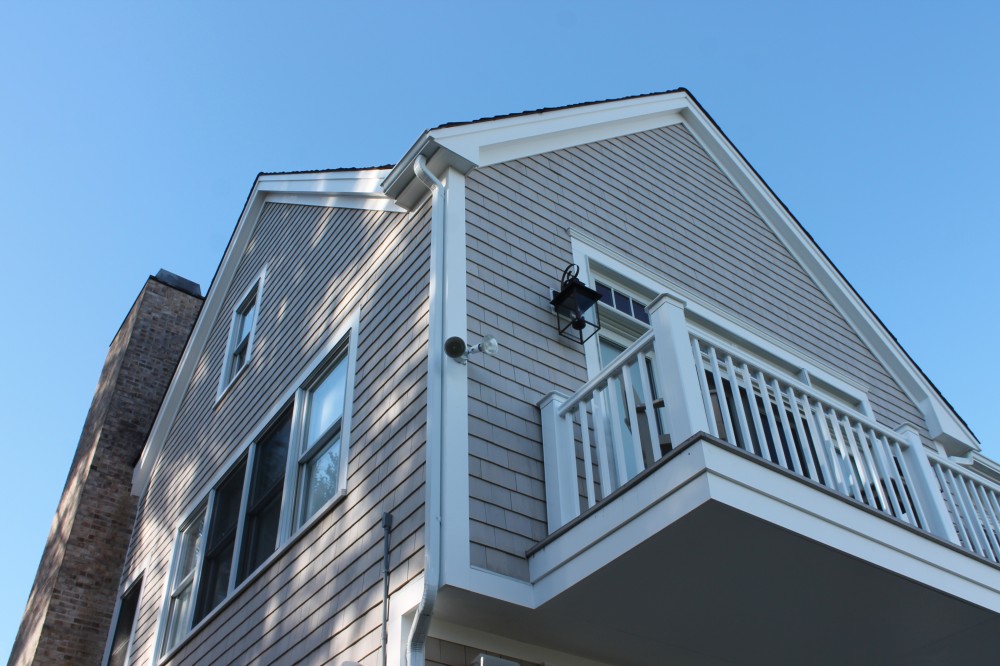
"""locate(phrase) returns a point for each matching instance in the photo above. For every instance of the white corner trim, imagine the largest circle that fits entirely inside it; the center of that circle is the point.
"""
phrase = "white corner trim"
(455, 381)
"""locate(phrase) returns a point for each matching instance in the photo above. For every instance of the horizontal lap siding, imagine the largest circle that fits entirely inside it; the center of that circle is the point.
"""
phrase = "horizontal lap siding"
(322, 594)
(656, 197)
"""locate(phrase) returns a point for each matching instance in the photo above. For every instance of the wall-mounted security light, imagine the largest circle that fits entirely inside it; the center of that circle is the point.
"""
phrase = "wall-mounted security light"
(577, 318)
(456, 348)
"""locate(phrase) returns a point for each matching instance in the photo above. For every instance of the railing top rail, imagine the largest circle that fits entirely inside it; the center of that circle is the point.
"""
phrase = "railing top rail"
(799, 386)
(958, 468)
(637, 347)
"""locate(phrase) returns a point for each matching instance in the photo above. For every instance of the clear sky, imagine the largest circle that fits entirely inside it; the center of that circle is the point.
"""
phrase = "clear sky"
(130, 135)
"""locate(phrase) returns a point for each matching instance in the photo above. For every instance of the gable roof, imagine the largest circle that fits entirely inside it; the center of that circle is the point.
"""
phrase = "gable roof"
(348, 188)
(470, 144)
(467, 145)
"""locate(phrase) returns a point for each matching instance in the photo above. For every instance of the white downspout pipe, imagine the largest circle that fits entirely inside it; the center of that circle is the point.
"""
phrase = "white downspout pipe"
(435, 417)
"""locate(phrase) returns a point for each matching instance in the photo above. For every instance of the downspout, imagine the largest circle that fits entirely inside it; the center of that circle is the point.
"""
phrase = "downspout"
(435, 406)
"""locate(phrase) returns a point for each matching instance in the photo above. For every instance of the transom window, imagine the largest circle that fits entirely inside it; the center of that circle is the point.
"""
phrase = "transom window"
(264, 497)
(621, 301)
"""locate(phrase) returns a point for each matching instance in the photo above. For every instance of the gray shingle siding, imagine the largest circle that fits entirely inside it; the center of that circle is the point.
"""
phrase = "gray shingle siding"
(322, 264)
(658, 198)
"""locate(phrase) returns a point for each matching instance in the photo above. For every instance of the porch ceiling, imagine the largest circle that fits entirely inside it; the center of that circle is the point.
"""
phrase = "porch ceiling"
(719, 586)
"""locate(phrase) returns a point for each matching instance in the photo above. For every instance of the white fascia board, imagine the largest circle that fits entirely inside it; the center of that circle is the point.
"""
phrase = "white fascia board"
(943, 423)
(486, 142)
(315, 187)
(334, 189)
(493, 141)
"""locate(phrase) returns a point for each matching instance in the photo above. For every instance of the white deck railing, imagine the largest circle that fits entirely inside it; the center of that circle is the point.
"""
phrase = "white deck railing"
(789, 424)
(974, 506)
(676, 381)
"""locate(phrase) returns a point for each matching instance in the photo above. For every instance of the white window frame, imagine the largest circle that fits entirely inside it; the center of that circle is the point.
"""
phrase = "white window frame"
(203, 506)
(292, 519)
(342, 344)
(253, 293)
(136, 579)
(620, 272)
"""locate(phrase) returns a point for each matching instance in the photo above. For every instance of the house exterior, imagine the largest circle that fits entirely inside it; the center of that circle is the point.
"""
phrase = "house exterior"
(741, 465)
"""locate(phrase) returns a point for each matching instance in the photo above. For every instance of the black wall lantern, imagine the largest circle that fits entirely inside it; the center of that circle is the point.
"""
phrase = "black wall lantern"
(577, 317)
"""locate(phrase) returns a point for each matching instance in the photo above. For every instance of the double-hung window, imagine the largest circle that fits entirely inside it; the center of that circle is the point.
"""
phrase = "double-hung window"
(319, 458)
(187, 558)
(124, 626)
(287, 475)
(241, 335)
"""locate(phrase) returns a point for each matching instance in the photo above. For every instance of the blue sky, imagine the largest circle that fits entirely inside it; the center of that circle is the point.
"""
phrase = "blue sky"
(130, 134)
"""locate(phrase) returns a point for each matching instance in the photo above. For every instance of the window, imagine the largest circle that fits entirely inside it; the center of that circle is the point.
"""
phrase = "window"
(121, 637)
(319, 447)
(241, 335)
(187, 558)
(221, 542)
(264, 497)
(263, 513)
(622, 302)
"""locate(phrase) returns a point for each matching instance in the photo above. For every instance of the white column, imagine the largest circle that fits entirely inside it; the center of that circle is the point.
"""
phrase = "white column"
(562, 497)
(675, 369)
(927, 488)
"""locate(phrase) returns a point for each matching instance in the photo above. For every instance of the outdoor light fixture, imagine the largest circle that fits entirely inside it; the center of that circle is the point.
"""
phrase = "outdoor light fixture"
(456, 348)
(577, 318)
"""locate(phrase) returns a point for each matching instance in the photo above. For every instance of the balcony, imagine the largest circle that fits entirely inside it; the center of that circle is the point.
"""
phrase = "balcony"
(701, 491)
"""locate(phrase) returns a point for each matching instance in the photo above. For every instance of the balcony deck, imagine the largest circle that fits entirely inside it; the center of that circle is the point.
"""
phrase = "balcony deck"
(714, 556)
(710, 503)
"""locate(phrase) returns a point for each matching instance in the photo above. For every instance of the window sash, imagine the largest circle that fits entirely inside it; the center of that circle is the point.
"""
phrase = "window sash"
(123, 633)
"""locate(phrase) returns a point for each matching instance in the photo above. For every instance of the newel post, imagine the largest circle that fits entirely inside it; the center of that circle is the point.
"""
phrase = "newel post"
(927, 487)
(675, 368)
(562, 496)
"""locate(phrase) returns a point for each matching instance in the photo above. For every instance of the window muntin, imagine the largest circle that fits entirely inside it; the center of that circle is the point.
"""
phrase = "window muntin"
(267, 495)
(121, 637)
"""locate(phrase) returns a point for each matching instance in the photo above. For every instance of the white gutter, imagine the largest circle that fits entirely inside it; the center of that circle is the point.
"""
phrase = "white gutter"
(435, 418)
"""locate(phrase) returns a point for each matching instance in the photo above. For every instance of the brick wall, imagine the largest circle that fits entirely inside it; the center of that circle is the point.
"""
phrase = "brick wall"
(69, 611)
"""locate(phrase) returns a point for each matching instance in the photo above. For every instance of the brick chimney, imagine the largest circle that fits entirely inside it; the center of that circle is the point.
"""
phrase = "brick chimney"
(69, 611)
